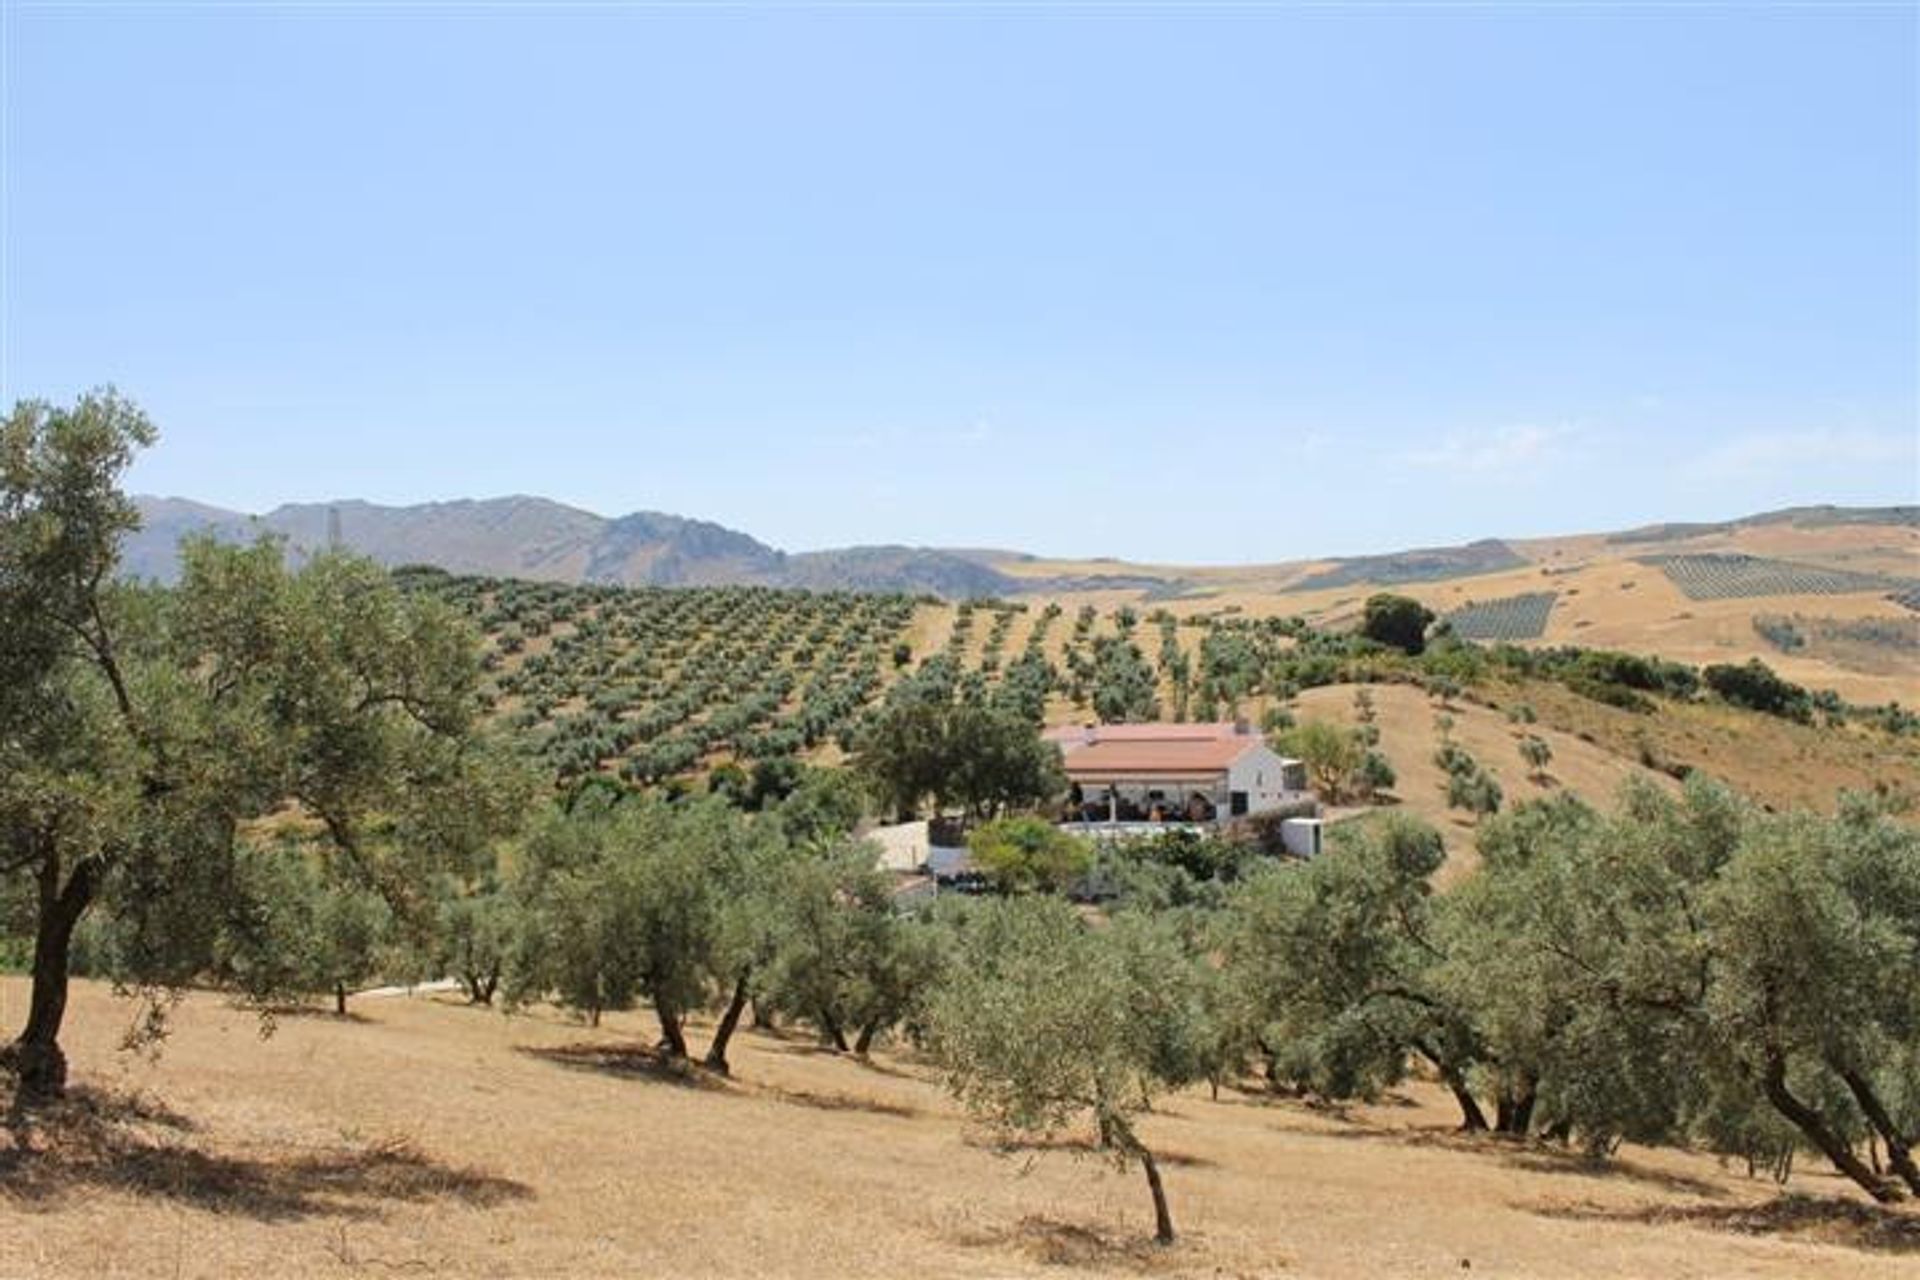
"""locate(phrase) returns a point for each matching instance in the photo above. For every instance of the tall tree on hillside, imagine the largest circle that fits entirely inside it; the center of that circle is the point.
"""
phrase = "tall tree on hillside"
(1397, 621)
(140, 728)
(842, 958)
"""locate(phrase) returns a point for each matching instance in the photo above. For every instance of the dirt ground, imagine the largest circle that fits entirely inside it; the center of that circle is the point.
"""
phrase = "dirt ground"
(422, 1137)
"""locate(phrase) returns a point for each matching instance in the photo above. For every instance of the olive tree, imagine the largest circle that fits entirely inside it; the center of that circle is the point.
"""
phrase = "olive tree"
(1043, 1021)
(1335, 961)
(624, 899)
(141, 728)
(842, 957)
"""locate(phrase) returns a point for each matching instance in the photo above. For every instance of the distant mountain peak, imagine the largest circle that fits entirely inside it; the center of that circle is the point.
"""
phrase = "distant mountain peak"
(523, 536)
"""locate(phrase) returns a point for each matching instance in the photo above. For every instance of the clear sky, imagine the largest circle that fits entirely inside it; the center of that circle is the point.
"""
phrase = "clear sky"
(1240, 283)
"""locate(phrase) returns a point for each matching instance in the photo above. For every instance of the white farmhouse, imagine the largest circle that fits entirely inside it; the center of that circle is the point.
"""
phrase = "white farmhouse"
(1129, 775)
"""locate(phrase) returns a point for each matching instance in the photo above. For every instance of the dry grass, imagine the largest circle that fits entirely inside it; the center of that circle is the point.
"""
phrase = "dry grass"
(434, 1139)
(1408, 720)
(1607, 599)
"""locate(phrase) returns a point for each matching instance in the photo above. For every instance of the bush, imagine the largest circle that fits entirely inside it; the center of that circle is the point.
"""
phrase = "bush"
(1025, 855)
(1754, 685)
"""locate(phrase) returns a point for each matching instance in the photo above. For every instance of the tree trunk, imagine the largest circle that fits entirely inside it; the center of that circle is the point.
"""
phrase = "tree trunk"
(36, 1055)
(762, 1017)
(1513, 1109)
(864, 1041)
(1472, 1118)
(1162, 1217)
(1899, 1145)
(339, 999)
(830, 1031)
(1811, 1123)
(673, 1037)
(481, 986)
(1116, 1130)
(722, 1034)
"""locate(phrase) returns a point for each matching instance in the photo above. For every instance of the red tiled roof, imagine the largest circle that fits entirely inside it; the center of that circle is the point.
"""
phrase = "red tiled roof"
(1157, 732)
(1177, 757)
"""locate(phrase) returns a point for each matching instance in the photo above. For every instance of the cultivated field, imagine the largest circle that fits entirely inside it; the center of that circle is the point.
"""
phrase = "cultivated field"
(422, 1137)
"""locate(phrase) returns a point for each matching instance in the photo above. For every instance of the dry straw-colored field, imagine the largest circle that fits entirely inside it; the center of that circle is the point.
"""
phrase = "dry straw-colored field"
(422, 1137)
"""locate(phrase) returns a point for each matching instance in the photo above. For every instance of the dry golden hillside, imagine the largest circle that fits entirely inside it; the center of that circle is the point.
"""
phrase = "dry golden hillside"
(1607, 596)
(428, 1138)
(1597, 748)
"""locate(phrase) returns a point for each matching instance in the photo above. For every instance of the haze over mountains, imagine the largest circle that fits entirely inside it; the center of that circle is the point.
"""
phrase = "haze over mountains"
(535, 538)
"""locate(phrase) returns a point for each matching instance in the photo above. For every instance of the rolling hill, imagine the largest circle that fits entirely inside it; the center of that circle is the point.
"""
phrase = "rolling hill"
(1830, 596)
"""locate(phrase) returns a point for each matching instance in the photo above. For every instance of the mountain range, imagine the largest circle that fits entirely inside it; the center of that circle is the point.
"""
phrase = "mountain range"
(535, 538)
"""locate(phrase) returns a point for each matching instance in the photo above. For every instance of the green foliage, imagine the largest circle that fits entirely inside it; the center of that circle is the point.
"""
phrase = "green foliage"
(1332, 962)
(823, 806)
(294, 933)
(1043, 1022)
(1754, 685)
(1028, 855)
(1399, 622)
(1122, 682)
(1537, 753)
(985, 759)
(1693, 967)
(841, 957)
(143, 728)
(1337, 758)
(630, 900)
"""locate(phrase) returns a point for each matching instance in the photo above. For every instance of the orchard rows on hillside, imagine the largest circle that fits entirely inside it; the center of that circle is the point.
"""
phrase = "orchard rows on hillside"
(654, 683)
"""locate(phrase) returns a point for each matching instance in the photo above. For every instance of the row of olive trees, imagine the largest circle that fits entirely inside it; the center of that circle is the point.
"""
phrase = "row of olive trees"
(623, 899)
(1681, 970)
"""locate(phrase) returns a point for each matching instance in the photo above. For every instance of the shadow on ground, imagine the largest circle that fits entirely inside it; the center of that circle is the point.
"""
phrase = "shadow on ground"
(810, 1048)
(303, 1013)
(630, 1061)
(1054, 1242)
(1080, 1145)
(95, 1141)
(1532, 1157)
(837, 1102)
(1817, 1219)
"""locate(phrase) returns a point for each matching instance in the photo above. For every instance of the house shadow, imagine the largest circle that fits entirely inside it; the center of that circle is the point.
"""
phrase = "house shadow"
(1853, 1224)
(95, 1141)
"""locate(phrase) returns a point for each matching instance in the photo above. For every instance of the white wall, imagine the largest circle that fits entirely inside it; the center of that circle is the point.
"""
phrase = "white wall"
(1261, 774)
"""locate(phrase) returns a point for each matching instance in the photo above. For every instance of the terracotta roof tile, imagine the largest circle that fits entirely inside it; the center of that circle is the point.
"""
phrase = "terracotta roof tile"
(1167, 756)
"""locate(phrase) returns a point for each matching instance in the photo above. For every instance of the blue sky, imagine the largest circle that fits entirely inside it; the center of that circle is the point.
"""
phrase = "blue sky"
(1188, 285)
